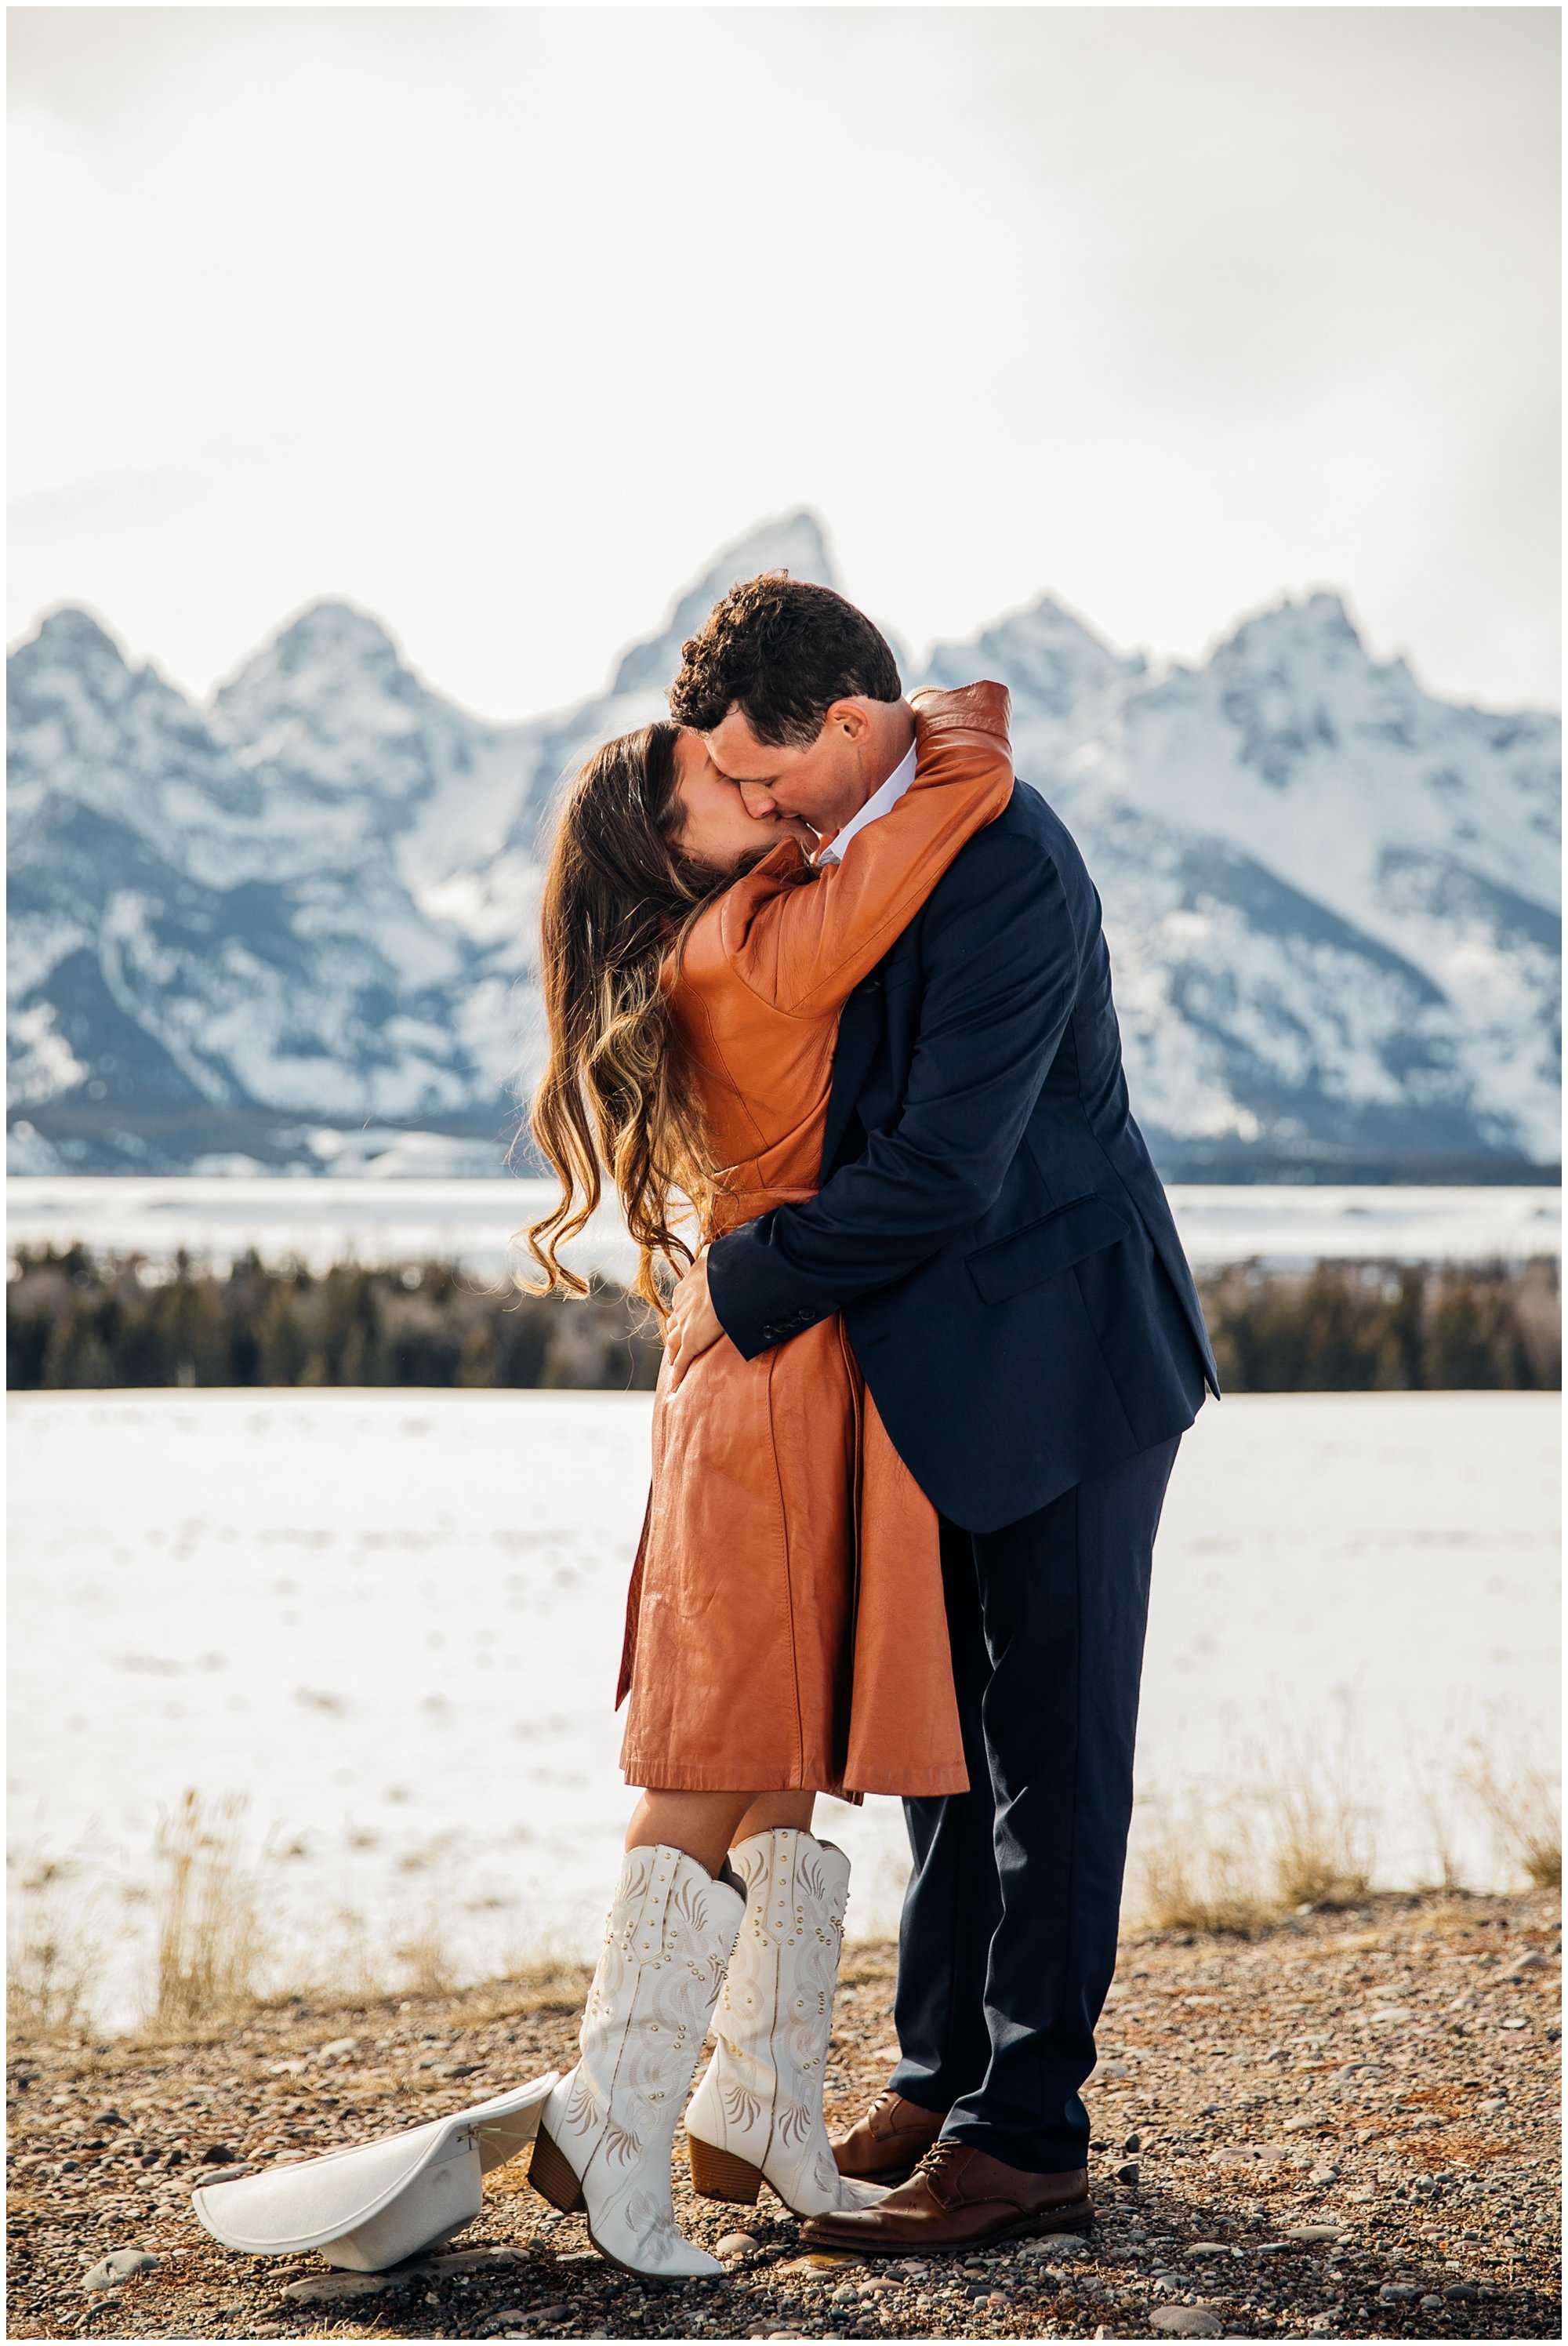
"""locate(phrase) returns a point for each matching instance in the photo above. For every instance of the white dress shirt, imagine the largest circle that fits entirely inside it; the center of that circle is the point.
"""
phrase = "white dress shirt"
(879, 804)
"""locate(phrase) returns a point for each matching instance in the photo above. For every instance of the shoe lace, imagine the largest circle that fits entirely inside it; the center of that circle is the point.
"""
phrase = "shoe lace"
(941, 2154)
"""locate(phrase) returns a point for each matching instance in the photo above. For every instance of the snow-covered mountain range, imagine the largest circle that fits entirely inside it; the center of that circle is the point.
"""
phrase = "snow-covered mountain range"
(295, 926)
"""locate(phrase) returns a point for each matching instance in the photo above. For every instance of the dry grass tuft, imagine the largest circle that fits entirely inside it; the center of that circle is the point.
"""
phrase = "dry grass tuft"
(555, 1984)
(52, 1962)
(1322, 1830)
(209, 1945)
(1291, 1828)
(1522, 1803)
(1437, 1791)
(210, 1961)
(426, 1961)
(1195, 1869)
(1292, 1831)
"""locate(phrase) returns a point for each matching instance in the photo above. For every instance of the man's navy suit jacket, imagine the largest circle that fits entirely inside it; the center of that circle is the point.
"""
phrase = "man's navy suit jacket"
(990, 1222)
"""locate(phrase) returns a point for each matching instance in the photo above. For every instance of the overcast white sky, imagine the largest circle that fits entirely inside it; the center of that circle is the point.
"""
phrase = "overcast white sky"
(501, 322)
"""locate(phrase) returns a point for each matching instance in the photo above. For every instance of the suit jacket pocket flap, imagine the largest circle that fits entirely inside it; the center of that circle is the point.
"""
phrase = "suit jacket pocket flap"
(1054, 1243)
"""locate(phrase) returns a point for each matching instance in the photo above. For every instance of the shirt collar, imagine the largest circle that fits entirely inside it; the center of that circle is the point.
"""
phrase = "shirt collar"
(880, 802)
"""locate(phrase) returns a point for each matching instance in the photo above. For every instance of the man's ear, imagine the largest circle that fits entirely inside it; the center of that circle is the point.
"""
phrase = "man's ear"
(848, 718)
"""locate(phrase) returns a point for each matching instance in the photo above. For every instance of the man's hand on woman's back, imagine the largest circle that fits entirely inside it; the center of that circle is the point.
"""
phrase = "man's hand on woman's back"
(694, 1326)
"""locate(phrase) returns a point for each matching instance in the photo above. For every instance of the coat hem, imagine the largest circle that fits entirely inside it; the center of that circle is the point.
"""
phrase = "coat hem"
(902, 1783)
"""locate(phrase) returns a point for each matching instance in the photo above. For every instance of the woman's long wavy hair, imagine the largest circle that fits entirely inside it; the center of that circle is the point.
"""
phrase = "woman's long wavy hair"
(615, 1097)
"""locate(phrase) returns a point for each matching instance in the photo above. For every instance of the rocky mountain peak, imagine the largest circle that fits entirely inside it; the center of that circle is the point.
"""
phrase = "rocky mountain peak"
(794, 543)
(335, 668)
(1315, 630)
(328, 634)
(1046, 655)
(329, 701)
(72, 633)
(71, 644)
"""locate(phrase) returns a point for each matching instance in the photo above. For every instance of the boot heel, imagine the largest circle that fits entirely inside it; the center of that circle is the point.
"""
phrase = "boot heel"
(553, 2178)
(720, 2175)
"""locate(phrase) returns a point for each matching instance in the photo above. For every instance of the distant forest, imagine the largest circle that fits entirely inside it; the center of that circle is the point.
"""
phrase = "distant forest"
(78, 1320)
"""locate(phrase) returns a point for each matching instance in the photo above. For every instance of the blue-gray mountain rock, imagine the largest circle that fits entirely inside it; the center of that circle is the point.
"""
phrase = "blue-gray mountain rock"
(296, 925)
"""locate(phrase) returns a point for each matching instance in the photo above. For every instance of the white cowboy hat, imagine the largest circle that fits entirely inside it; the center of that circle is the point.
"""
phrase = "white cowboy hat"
(370, 2206)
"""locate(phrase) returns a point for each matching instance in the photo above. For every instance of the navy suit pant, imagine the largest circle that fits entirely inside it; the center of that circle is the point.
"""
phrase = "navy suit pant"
(1009, 1934)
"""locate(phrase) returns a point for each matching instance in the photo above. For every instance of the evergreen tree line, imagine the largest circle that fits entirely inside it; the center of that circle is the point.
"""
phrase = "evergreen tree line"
(77, 1320)
(1387, 1328)
(74, 1319)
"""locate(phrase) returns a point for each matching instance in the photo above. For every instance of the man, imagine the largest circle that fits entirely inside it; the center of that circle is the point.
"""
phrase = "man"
(992, 1230)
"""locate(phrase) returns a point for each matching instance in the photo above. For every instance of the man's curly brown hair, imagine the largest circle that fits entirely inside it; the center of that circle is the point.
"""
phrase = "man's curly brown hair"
(783, 651)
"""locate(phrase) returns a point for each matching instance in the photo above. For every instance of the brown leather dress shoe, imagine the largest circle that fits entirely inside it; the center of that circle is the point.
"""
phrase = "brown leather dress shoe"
(957, 2197)
(887, 2144)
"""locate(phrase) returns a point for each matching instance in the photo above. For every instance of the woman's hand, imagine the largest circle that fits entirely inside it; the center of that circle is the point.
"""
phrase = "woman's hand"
(694, 1326)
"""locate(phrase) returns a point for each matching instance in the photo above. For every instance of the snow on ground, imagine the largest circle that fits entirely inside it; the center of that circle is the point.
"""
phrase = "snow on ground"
(378, 1220)
(392, 1621)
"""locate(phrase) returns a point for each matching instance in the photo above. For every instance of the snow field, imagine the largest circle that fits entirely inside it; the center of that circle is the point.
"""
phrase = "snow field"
(391, 1620)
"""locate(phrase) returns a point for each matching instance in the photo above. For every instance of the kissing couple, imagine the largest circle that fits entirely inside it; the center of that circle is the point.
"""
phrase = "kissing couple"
(826, 988)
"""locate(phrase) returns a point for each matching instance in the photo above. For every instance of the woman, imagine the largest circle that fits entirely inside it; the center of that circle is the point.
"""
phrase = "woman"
(785, 1630)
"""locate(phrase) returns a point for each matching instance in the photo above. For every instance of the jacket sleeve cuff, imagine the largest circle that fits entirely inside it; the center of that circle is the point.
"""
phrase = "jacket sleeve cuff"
(751, 1313)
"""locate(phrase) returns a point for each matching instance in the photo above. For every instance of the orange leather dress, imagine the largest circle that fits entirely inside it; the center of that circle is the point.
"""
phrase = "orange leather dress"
(785, 1626)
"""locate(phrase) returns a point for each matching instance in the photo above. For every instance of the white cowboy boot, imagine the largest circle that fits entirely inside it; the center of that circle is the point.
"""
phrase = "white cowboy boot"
(756, 2114)
(607, 2131)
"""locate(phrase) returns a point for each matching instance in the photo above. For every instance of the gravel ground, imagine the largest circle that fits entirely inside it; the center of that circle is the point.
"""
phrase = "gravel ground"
(1346, 2127)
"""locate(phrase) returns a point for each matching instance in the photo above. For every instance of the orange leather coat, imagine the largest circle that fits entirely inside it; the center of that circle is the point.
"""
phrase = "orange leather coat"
(785, 1626)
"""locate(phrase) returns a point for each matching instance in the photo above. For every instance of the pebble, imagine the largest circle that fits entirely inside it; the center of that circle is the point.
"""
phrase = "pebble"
(469, 2260)
(736, 2244)
(1396, 2292)
(1134, 2142)
(325, 2288)
(1316, 2232)
(1186, 2321)
(117, 2267)
(1129, 2172)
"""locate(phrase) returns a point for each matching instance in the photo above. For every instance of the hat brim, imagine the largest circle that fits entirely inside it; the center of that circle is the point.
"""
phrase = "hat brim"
(373, 2203)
